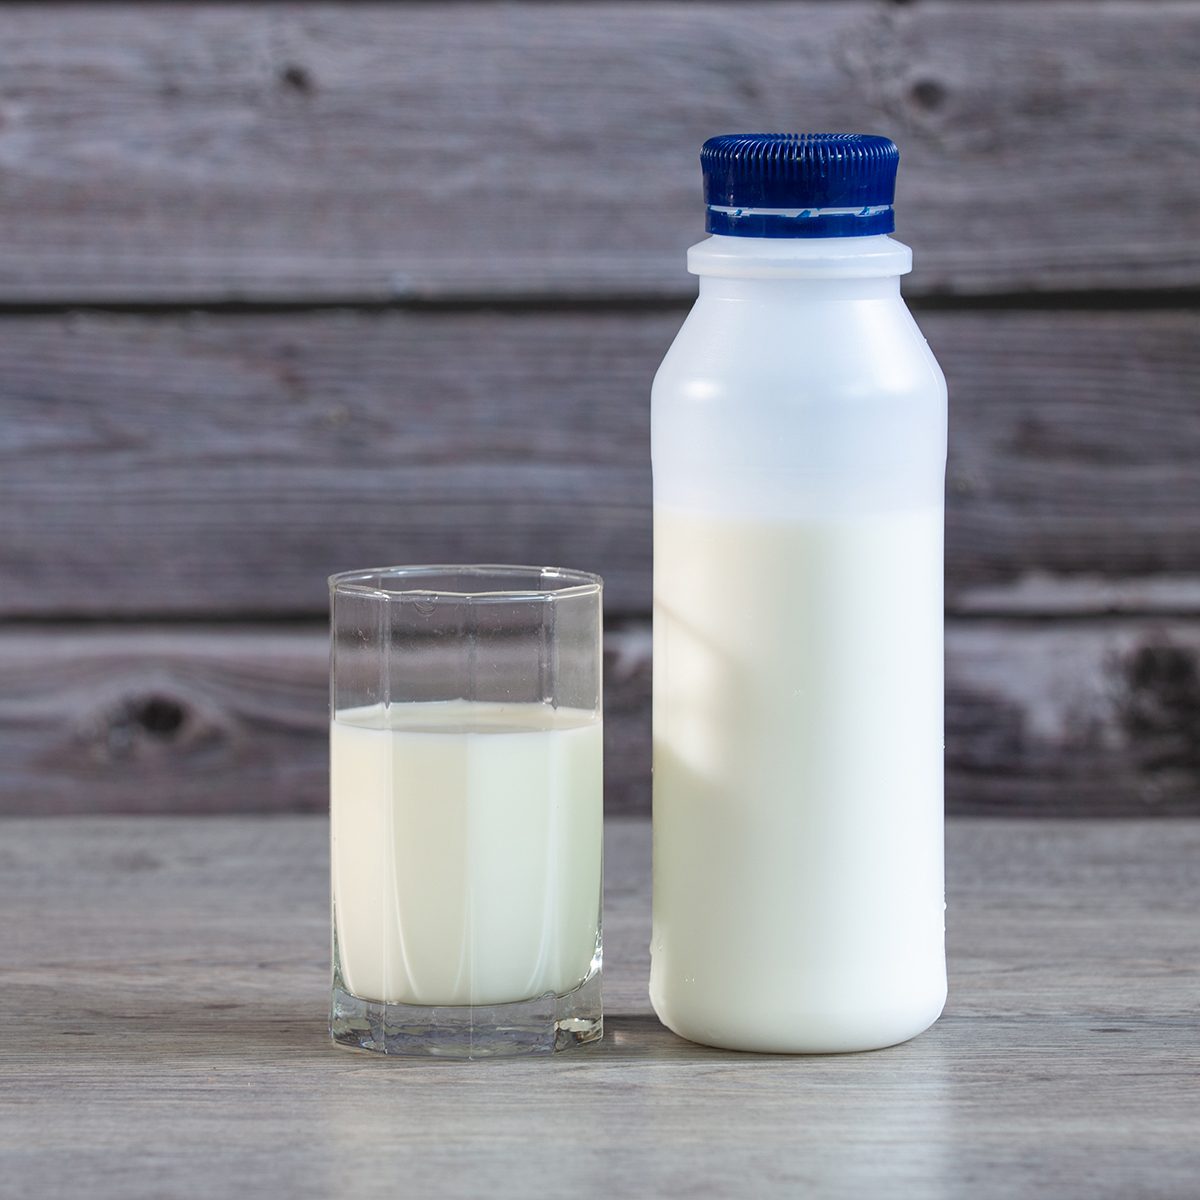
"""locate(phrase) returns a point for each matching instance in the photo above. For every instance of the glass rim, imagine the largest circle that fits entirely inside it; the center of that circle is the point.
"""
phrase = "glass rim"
(364, 581)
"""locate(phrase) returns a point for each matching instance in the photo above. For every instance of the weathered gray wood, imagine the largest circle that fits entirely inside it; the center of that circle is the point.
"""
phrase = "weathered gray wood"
(203, 465)
(1086, 718)
(267, 150)
(162, 1033)
(1083, 718)
(227, 465)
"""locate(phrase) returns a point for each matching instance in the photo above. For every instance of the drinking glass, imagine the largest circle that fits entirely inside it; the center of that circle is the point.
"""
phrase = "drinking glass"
(466, 786)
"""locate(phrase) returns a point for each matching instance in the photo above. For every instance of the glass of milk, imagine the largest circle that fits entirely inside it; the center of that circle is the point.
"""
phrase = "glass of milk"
(466, 787)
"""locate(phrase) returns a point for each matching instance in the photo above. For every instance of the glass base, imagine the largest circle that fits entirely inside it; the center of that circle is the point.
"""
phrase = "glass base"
(538, 1026)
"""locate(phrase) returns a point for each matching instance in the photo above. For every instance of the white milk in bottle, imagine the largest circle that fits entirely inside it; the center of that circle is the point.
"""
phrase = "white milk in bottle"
(798, 440)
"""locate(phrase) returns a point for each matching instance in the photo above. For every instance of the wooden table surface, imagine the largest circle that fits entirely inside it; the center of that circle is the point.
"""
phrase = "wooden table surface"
(162, 1033)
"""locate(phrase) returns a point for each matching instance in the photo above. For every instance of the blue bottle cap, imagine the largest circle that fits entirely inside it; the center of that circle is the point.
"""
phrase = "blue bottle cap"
(796, 185)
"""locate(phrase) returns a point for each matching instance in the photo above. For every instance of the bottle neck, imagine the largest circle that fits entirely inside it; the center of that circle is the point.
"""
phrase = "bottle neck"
(721, 260)
(782, 290)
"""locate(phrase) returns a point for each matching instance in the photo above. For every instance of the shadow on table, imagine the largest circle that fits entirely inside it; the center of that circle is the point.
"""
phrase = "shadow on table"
(643, 1036)
(192, 1031)
(181, 1032)
(196, 1030)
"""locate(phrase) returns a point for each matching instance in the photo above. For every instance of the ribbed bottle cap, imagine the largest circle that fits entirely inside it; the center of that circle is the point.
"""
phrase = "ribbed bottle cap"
(796, 185)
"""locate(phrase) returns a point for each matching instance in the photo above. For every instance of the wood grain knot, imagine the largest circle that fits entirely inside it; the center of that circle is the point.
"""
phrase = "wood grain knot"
(297, 79)
(151, 725)
(1160, 712)
(160, 716)
(927, 94)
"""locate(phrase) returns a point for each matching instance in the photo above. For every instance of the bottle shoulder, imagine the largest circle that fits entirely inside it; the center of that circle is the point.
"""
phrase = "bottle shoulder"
(807, 349)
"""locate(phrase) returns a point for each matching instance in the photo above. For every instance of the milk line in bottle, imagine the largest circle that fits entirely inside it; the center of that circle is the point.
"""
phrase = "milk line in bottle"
(798, 444)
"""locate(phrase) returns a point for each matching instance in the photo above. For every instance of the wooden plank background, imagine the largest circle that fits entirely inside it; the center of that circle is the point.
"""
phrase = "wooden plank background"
(290, 288)
(276, 151)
